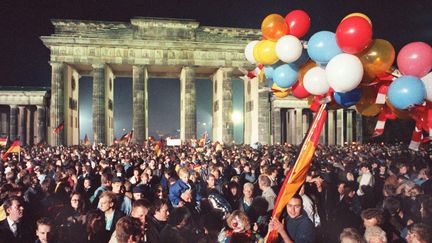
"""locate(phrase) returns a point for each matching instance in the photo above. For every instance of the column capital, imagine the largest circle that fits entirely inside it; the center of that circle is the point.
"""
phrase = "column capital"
(228, 70)
(21, 107)
(40, 107)
(13, 106)
(98, 66)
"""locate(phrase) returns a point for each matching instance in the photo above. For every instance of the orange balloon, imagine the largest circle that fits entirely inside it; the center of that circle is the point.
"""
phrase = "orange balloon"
(274, 27)
(377, 58)
(265, 52)
(401, 114)
(280, 92)
(358, 15)
(366, 105)
(306, 67)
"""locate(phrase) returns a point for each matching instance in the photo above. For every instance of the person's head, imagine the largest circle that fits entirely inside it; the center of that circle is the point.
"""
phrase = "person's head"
(184, 174)
(419, 233)
(403, 168)
(145, 178)
(295, 206)
(263, 182)
(107, 201)
(117, 185)
(87, 183)
(14, 208)
(106, 179)
(128, 230)
(341, 188)
(238, 221)
(364, 168)
(375, 234)
(160, 210)
(248, 189)
(140, 210)
(76, 201)
(351, 235)
(44, 230)
(426, 208)
(211, 181)
(95, 222)
(372, 217)
(179, 217)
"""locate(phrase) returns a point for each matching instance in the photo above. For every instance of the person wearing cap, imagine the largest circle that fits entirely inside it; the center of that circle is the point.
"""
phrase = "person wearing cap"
(124, 203)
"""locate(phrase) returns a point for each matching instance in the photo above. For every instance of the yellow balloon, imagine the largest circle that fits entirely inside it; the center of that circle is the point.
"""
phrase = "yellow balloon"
(366, 105)
(280, 92)
(358, 15)
(265, 52)
(377, 58)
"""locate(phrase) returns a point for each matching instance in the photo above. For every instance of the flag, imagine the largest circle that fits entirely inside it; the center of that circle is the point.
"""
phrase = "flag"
(14, 148)
(203, 140)
(125, 139)
(86, 140)
(3, 141)
(59, 128)
(297, 175)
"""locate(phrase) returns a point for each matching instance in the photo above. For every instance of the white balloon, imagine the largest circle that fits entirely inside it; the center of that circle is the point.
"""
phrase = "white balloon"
(315, 81)
(427, 81)
(344, 72)
(289, 48)
(249, 51)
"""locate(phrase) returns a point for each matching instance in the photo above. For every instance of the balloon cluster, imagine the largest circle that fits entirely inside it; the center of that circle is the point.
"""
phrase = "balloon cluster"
(348, 66)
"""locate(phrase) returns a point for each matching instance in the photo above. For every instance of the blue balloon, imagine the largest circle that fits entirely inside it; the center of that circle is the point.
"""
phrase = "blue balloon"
(349, 98)
(302, 59)
(269, 70)
(406, 91)
(322, 47)
(285, 75)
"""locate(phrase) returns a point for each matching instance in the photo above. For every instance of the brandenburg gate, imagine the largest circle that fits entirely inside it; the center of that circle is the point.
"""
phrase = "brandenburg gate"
(169, 48)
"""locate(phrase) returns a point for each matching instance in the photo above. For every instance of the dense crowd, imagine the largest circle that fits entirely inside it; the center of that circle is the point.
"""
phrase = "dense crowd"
(353, 193)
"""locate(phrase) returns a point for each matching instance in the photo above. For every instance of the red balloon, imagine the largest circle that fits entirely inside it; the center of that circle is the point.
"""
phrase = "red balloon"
(298, 22)
(299, 91)
(354, 34)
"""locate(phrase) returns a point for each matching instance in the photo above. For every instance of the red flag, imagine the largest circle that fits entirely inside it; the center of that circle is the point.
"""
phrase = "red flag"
(86, 140)
(14, 148)
(3, 141)
(297, 175)
(59, 128)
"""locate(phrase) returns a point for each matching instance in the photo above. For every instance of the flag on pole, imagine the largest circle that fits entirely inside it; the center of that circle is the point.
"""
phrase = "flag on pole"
(86, 140)
(3, 141)
(14, 148)
(297, 175)
(158, 148)
(59, 128)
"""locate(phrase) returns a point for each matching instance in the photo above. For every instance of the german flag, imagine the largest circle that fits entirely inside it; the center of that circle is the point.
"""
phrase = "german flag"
(14, 148)
(3, 141)
(59, 128)
(297, 175)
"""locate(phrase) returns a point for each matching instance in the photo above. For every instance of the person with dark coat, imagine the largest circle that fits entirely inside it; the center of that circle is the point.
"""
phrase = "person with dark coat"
(107, 204)
(13, 229)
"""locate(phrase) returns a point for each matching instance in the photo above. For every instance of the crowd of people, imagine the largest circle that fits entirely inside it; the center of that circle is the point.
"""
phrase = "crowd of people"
(130, 193)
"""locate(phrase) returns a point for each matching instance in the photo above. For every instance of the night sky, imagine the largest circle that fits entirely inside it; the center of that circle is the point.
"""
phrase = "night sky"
(24, 59)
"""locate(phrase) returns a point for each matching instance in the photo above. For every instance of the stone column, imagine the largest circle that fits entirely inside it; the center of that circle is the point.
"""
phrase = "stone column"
(349, 126)
(57, 102)
(359, 127)
(13, 118)
(331, 128)
(222, 106)
(40, 124)
(4, 124)
(323, 137)
(340, 140)
(292, 127)
(305, 123)
(299, 126)
(263, 115)
(29, 126)
(22, 125)
(277, 130)
(187, 104)
(139, 90)
(99, 123)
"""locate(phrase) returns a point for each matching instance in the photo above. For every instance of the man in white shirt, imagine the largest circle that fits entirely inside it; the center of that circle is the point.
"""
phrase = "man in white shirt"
(267, 192)
(365, 179)
(11, 228)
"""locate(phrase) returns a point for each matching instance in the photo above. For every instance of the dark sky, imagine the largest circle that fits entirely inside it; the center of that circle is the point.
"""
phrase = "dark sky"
(24, 59)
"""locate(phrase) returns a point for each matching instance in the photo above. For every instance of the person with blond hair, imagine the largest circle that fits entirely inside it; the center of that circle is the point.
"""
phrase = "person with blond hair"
(178, 194)
(375, 234)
